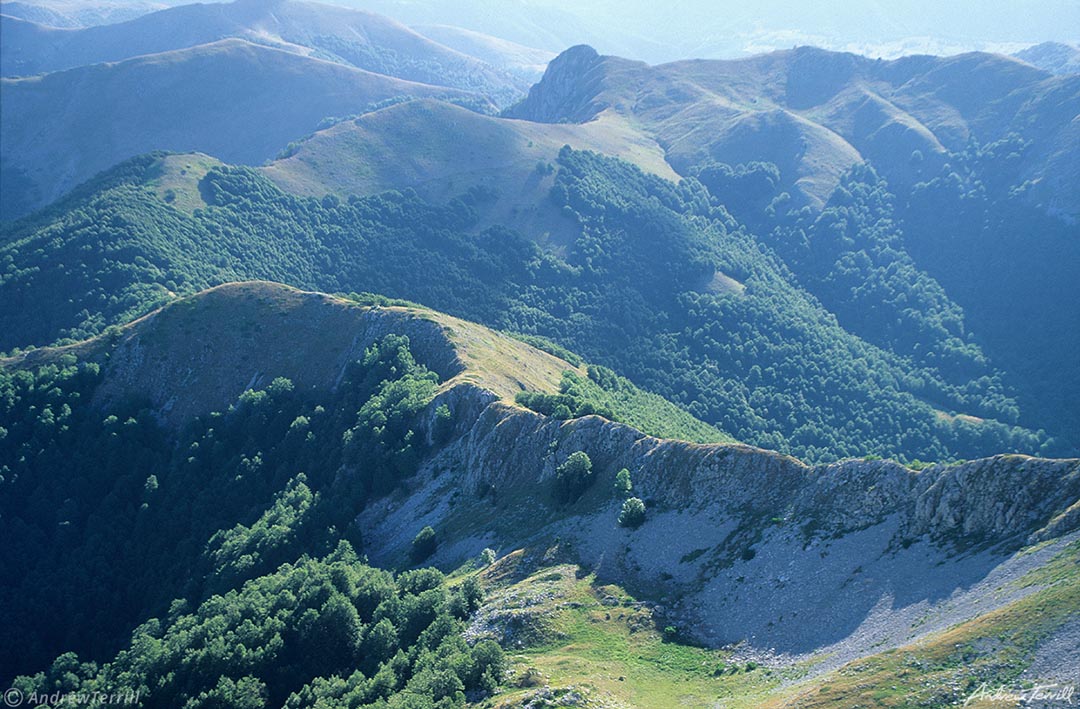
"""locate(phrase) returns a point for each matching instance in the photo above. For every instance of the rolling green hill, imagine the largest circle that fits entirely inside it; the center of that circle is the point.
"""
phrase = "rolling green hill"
(442, 151)
(238, 101)
(706, 315)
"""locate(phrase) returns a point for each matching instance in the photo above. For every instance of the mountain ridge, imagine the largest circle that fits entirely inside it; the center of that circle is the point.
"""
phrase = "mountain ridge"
(716, 382)
(1054, 57)
(486, 364)
(143, 357)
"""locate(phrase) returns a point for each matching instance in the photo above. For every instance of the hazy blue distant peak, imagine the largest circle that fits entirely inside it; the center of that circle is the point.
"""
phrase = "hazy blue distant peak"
(706, 28)
(1054, 57)
(683, 29)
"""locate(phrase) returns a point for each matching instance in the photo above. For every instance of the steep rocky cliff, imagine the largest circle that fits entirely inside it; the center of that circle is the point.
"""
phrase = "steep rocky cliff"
(742, 544)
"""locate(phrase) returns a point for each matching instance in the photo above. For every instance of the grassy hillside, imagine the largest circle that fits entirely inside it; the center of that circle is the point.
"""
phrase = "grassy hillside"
(149, 354)
(956, 664)
(442, 151)
(62, 128)
(605, 645)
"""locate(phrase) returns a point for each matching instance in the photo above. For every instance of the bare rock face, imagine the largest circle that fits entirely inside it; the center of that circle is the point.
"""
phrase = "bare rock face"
(989, 501)
(742, 545)
(567, 91)
(995, 498)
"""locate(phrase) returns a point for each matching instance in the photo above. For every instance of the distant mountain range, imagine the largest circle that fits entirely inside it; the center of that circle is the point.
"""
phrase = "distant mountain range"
(241, 101)
(659, 33)
(815, 113)
(812, 113)
(692, 29)
(360, 39)
(198, 77)
(74, 14)
(1054, 57)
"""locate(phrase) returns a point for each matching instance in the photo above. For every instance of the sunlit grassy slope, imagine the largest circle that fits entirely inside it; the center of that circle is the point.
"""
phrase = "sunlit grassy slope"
(442, 151)
(576, 636)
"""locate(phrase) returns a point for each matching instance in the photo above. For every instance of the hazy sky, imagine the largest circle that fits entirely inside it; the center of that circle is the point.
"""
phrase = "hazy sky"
(660, 31)
(664, 30)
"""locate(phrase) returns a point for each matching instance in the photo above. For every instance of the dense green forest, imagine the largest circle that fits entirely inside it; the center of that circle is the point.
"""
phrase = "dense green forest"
(958, 270)
(761, 356)
(235, 535)
(1012, 265)
(318, 632)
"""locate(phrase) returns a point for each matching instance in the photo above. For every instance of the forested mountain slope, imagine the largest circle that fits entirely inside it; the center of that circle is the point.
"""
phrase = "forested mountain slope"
(962, 250)
(175, 368)
(978, 153)
(706, 315)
